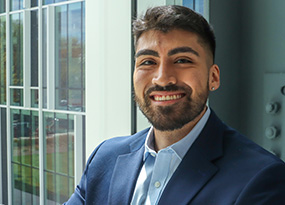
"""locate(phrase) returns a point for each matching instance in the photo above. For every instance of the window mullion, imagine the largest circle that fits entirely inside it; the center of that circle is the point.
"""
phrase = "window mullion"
(9, 140)
(26, 4)
(27, 58)
(51, 58)
(78, 148)
(40, 95)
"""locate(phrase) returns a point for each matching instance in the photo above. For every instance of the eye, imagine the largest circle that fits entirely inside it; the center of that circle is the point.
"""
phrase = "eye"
(148, 62)
(183, 60)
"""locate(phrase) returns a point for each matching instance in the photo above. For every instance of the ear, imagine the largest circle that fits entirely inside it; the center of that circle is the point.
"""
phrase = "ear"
(214, 77)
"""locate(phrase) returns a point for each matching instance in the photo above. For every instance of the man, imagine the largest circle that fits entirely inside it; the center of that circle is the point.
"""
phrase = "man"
(188, 156)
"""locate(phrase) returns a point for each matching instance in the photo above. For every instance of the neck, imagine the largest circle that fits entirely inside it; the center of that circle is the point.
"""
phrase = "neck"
(164, 139)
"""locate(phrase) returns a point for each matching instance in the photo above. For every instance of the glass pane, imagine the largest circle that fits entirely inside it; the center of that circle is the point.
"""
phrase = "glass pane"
(17, 97)
(34, 3)
(61, 128)
(2, 60)
(62, 187)
(45, 2)
(50, 190)
(44, 58)
(35, 139)
(34, 98)
(49, 132)
(3, 154)
(26, 185)
(2, 6)
(75, 97)
(16, 49)
(17, 184)
(15, 134)
(16, 5)
(25, 154)
(34, 48)
(61, 99)
(36, 186)
(70, 66)
(188, 3)
(199, 6)
(59, 134)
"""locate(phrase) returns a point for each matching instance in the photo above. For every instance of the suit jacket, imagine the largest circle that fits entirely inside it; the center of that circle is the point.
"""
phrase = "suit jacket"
(222, 167)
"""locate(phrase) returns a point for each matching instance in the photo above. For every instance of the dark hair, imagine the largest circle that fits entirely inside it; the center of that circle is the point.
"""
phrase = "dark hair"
(166, 18)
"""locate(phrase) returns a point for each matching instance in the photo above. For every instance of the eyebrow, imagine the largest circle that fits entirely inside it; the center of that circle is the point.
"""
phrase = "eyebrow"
(147, 52)
(184, 49)
(174, 51)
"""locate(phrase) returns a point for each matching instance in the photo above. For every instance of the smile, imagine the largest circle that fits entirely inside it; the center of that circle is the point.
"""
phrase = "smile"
(161, 98)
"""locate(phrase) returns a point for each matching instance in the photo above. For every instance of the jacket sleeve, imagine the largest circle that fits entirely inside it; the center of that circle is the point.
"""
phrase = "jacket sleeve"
(267, 187)
(78, 197)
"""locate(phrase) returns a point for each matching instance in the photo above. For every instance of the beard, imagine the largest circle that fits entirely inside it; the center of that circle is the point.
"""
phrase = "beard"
(175, 116)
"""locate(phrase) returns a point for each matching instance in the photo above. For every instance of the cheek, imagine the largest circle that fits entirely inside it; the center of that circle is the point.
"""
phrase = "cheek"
(196, 81)
(140, 82)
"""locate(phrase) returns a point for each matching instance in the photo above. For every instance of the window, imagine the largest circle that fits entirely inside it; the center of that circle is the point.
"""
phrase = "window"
(42, 99)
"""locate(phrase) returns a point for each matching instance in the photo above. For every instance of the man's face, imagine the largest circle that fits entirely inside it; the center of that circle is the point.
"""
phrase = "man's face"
(172, 76)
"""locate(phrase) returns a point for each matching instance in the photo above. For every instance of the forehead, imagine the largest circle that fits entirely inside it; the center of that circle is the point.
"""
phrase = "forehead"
(158, 40)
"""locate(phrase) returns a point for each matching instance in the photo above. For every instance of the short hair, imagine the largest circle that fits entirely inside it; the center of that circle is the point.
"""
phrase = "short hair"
(166, 18)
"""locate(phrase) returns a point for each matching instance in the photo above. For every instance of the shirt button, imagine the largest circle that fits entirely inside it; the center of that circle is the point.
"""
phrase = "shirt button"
(157, 184)
(152, 154)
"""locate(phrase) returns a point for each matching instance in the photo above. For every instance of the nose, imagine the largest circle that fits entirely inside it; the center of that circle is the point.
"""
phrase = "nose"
(165, 75)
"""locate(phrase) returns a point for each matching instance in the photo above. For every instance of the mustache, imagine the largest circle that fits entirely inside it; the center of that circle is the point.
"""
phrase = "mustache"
(171, 87)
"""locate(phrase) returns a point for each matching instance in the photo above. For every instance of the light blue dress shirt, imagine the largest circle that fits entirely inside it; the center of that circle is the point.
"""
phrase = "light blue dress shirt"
(159, 167)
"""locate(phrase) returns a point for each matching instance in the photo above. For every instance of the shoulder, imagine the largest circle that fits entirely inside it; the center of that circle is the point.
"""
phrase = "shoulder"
(118, 146)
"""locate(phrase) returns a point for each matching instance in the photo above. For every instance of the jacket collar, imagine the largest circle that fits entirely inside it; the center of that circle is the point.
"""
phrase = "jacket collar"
(195, 170)
(197, 167)
(126, 171)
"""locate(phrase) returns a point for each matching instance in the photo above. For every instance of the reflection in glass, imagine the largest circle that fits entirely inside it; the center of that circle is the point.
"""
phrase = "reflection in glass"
(34, 3)
(16, 5)
(2, 6)
(45, 2)
(34, 98)
(16, 97)
(189, 3)
(70, 67)
(16, 49)
(25, 156)
(2, 59)
(3, 153)
(34, 48)
(59, 156)
(197, 5)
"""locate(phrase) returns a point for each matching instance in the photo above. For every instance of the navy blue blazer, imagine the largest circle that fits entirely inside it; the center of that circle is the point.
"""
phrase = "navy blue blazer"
(222, 167)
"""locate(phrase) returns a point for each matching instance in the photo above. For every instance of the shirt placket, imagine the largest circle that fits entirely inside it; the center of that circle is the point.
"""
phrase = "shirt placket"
(159, 176)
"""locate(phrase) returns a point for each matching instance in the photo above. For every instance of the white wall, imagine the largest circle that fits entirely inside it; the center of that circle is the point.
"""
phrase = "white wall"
(108, 70)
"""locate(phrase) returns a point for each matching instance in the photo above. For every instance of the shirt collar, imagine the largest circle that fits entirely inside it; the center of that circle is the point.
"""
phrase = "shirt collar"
(182, 146)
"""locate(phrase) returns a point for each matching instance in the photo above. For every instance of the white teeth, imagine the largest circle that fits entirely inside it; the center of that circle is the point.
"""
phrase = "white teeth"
(167, 97)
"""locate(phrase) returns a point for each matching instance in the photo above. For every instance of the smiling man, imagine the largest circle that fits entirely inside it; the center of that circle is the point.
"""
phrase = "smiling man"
(188, 156)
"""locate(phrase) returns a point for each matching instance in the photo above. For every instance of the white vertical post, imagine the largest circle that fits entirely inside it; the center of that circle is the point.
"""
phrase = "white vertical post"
(206, 10)
(51, 58)
(78, 148)
(27, 58)
(8, 64)
(40, 80)
(26, 4)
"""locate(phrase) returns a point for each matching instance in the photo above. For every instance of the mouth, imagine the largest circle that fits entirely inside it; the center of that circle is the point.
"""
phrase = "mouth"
(166, 97)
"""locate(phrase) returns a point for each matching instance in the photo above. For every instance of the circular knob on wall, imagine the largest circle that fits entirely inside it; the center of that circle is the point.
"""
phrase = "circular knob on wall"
(271, 132)
(272, 108)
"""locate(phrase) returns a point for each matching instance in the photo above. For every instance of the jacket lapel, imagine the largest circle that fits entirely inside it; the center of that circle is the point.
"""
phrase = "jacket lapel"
(125, 174)
(196, 168)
